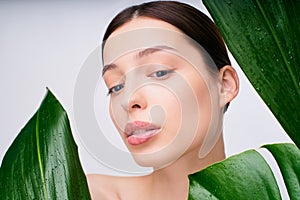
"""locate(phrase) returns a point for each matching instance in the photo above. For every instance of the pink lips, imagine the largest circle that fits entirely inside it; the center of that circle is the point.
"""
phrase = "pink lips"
(139, 132)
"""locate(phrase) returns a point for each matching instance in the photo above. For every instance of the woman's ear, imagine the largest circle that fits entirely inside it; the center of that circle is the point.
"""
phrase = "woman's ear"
(229, 84)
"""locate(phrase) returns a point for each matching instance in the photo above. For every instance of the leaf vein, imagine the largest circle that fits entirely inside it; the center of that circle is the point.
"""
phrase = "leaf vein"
(37, 135)
(279, 46)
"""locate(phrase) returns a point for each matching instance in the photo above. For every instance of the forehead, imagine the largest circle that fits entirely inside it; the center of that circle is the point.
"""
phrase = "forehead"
(149, 39)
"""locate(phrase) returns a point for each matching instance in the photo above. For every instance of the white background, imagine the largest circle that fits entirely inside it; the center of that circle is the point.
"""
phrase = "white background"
(44, 44)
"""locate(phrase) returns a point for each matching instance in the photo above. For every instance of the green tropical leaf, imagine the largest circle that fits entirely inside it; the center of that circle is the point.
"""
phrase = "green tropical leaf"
(288, 159)
(248, 176)
(263, 36)
(43, 162)
(243, 176)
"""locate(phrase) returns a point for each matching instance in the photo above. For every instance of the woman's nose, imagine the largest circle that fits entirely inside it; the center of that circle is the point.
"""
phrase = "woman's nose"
(135, 101)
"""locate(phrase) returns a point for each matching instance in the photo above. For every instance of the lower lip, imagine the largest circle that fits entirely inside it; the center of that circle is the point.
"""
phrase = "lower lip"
(142, 137)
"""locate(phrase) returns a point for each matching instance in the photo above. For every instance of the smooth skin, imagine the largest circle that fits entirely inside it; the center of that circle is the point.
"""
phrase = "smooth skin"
(168, 182)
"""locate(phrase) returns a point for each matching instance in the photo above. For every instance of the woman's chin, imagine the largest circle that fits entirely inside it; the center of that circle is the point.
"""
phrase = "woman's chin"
(157, 156)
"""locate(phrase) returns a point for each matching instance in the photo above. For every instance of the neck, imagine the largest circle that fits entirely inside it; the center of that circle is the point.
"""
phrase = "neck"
(187, 164)
(175, 176)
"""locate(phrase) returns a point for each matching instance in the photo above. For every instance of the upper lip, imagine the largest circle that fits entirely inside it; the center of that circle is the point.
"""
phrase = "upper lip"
(132, 128)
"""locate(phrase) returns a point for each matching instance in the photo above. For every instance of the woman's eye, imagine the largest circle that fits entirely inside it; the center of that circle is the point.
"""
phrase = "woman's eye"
(161, 74)
(115, 89)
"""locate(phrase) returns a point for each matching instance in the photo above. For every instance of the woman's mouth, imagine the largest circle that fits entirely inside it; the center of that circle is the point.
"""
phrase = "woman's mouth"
(139, 132)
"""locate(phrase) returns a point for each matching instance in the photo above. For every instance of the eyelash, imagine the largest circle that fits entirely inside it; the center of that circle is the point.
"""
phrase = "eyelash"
(164, 75)
(111, 90)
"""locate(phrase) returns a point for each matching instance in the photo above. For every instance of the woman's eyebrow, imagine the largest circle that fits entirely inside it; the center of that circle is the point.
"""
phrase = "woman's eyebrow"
(151, 50)
(108, 67)
(140, 54)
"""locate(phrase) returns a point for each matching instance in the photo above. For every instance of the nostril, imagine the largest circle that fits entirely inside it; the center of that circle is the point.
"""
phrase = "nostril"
(136, 106)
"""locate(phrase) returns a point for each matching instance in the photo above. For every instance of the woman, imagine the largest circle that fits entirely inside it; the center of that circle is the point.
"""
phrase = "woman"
(170, 81)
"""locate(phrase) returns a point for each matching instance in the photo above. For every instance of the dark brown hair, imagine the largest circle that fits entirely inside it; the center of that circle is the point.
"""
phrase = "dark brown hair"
(188, 19)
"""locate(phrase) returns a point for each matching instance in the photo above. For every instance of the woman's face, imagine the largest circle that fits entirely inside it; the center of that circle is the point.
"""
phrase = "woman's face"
(161, 104)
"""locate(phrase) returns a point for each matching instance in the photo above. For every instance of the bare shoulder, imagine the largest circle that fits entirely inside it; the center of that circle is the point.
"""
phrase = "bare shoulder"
(107, 187)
